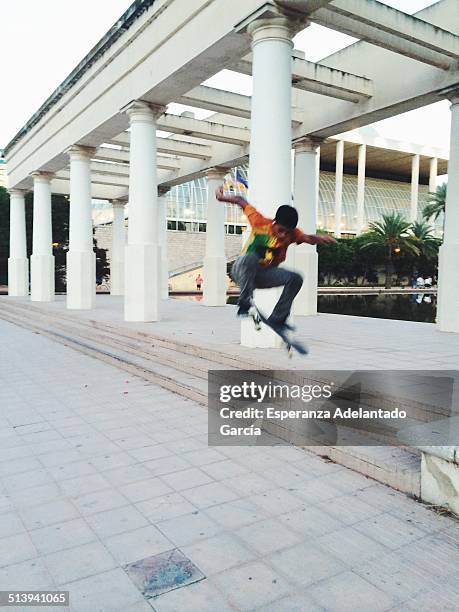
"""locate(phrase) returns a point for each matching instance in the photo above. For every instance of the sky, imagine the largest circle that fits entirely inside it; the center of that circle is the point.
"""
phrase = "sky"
(45, 39)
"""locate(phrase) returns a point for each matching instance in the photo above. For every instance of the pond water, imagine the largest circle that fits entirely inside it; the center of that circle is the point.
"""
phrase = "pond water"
(404, 307)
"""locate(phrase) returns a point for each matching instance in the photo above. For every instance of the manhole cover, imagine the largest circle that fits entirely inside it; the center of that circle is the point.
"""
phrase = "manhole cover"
(164, 572)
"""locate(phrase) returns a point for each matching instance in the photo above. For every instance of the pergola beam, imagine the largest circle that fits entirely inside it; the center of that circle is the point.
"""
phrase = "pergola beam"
(224, 102)
(169, 146)
(121, 157)
(320, 79)
(391, 29)
(188, 126)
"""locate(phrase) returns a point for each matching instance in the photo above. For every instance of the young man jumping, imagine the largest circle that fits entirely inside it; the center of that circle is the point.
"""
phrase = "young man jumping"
(265, 249)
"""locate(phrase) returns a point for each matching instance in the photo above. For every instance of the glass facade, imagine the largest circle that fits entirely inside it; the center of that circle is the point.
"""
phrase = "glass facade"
(187, 203)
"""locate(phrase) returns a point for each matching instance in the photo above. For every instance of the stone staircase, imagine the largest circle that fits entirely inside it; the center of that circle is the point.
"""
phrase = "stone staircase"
(182, 367)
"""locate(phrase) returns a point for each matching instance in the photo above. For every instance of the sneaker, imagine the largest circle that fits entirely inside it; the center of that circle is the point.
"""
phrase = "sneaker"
(281, 327)
(243, 311)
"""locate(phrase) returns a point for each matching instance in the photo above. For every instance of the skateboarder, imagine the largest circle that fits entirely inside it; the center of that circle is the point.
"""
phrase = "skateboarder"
(265, 249)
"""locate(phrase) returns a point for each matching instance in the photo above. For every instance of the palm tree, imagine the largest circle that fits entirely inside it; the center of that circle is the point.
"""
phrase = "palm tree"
(390, 235)
(436, 205)
(424, 238)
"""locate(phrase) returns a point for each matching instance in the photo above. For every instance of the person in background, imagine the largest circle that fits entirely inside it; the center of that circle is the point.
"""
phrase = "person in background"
(420, 282)
(199, 281)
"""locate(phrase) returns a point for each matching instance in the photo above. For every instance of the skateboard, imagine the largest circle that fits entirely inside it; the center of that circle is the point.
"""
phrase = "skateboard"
(258, 318)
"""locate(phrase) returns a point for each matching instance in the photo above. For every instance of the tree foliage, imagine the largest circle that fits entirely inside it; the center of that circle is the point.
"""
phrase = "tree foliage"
(60, 233)
(436, 203)
(392, 244)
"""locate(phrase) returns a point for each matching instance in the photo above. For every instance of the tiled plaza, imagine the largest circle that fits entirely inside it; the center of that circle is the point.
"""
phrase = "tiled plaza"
(99, 469)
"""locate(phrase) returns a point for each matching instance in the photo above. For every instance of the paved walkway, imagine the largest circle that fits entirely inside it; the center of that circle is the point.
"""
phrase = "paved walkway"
(98, 470)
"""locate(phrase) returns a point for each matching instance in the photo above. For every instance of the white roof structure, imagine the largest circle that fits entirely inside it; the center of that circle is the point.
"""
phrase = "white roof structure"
(153, 53)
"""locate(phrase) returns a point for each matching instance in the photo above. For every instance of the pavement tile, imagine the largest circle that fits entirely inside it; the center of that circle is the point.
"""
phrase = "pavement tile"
(186, 479)
(189, 528)
(219, 553)
(137, 544)
(61, 536)
(252, 585)
(238, 513)
(209, 495)
(351, 547)
(348, 592)
(125, 475)
(310, 521)
(42, 515)
(277, 501)
(78, 562)
(267, 536)
(145, 489)
(306, 564)
(165, 507)
(110, 591)
(10, 524)
(167, 465)
(80, 485)
(118, 520)
(27, 575)
(301, 602)
(389, 530)
(16, 548)
(202, 596)
(71, 470)
(147, 453)
(98, 501)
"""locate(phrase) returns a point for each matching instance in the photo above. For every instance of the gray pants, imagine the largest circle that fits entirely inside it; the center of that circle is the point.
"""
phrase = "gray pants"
(250, 275)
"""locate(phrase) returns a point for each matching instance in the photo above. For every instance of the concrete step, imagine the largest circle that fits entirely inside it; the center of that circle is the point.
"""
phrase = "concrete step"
(183, 367)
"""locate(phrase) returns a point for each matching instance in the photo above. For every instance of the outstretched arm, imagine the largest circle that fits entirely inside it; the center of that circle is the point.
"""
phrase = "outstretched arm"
(314, 239)
(221, 197)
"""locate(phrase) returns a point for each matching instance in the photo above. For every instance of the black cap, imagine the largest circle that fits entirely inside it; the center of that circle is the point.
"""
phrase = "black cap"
(287, 216)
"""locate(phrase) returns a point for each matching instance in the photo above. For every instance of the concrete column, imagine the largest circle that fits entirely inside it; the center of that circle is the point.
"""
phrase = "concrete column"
(162, 239)
(306, 197)
(143, 254)
(414, 187)
(361, 188)
(339, 186)
(433, 172)
(42, 259)
(448, 287)
(270, 142)
(18, 265)
(215, 285)
(118, 246)
(81, 259)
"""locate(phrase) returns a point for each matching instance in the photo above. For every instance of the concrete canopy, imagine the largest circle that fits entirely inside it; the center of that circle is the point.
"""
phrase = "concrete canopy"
(158, 58)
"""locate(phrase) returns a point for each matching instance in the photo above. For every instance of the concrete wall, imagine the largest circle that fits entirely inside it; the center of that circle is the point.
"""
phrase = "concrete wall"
(183, 248)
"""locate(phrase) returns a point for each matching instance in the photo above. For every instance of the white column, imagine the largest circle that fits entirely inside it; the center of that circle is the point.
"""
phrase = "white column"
(361, 187)
(143, 254)
(18, 265)
(118, 246)
(215, 283)
(339, 186)
(270, 142)
(414, 187)
(306, 197)
(433, 171)
(81, 259)
(42, 259)
(448, 286)
(162, 239)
